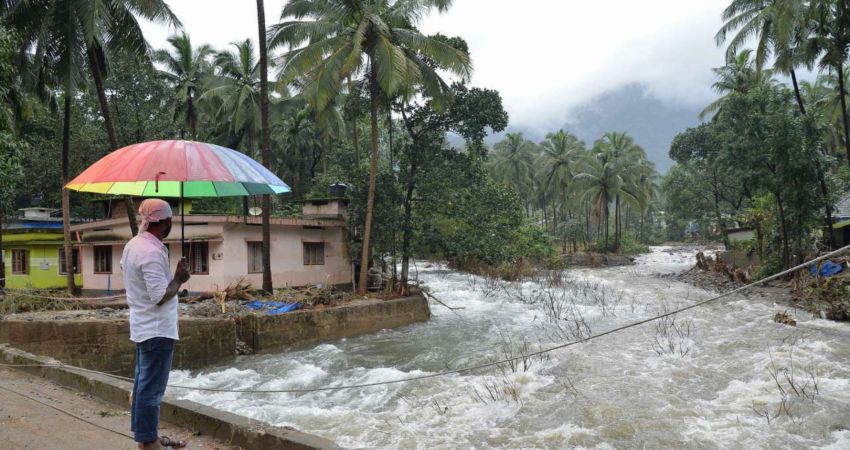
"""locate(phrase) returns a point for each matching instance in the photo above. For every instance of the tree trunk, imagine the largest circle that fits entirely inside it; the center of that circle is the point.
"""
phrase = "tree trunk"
(407, 228)
(2, 256)
(842, 92)
(392, 170)
(190, 115)
(355, 143)
(617, 223)
(826, 202)
(66, 199)
(797, 92)
(94, 66)
(264, 145)
(720, 222)
(605, 210)
(373, 171)
(783, 229)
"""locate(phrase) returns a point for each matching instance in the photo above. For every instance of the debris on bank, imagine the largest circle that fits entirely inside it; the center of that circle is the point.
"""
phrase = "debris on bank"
(824, 290)
(827, 293)
(237, 299)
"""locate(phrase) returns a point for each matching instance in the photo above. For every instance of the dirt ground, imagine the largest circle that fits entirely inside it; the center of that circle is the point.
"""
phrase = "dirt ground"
(27, 424)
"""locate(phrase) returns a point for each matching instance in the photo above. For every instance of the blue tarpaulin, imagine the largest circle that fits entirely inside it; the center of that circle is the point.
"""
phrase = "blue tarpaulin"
(272, 307)
(827, 269)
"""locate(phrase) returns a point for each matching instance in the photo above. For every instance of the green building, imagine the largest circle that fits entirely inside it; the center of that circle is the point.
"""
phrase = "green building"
(33, 253)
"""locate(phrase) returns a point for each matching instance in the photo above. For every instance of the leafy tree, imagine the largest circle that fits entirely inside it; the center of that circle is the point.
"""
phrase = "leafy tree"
(340, 39)
(470, 112)
(186, 68)
(739, 75)
(69, 35)
(511, 163)
(560, 153)
(10, 146)
(233, 98)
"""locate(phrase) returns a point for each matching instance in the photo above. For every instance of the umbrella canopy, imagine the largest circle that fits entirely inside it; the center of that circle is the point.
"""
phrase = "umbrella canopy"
(158, 168)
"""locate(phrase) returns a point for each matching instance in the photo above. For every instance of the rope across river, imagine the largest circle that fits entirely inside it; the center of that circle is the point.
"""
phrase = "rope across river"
(478, 366)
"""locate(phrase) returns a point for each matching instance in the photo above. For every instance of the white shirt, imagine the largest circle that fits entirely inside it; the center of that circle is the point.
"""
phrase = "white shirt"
(147, 274)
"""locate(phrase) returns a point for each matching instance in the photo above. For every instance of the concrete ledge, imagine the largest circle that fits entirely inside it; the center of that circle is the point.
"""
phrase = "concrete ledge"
(233, 429)
(275, 333)
(104, 344)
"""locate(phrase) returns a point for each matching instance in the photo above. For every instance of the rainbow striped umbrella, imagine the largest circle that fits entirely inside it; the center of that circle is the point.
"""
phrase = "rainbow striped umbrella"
(177, 169)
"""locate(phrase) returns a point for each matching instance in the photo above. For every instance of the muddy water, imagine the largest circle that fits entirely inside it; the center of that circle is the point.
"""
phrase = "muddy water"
(720, 376)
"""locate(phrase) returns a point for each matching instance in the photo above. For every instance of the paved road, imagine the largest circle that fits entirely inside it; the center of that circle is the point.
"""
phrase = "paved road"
(27, 424)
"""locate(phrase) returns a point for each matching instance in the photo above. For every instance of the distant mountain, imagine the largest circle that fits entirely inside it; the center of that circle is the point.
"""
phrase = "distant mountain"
(632, 108)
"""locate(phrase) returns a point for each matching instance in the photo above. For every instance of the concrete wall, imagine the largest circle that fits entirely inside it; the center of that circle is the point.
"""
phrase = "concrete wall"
(273, 333)
(105, 345)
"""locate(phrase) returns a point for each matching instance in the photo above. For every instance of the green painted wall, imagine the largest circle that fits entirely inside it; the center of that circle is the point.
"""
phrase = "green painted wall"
(43, 261)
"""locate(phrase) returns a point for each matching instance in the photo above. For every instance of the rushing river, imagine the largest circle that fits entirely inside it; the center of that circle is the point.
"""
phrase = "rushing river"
(719, 376)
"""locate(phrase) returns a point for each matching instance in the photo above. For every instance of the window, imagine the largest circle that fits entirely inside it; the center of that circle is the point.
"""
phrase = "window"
(198, 255)
(20, 262)
(103, 259)
(314, 253)
(75, 253)
(255, 257)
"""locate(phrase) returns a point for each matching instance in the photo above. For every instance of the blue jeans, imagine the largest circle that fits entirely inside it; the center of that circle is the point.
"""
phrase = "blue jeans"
(153, 362)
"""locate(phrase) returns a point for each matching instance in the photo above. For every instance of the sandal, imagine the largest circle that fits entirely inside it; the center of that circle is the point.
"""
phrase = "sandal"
(166, 442)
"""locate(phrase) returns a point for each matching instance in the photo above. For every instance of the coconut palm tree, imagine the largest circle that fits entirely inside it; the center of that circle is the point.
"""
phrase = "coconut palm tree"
(334, 39)
(780, 28)
(185, 67)
(739, 75)
(830, 45)
(607, 174)
(560, 152)
(511, 163)
(625, 155)
(233, 97)
(265, 152)
(65, 37)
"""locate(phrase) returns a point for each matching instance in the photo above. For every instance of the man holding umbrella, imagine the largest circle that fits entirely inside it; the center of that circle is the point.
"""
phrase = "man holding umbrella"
(152, 298)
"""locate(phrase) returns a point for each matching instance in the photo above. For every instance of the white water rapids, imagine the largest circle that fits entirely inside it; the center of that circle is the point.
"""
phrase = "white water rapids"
(720, 376)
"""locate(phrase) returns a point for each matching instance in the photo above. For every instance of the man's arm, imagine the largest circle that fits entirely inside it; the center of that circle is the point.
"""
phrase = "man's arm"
(181, 275)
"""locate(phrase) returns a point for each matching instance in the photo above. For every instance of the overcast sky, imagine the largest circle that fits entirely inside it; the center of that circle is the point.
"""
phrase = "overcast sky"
(543, 56)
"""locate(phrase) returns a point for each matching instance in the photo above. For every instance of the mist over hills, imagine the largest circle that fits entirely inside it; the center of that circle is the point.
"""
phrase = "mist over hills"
(632, 108)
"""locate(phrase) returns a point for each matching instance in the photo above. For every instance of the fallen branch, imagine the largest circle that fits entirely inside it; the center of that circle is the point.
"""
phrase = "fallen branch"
(432, 297)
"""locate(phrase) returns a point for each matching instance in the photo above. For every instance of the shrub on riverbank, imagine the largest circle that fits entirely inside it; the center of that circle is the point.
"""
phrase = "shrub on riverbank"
(628, 246)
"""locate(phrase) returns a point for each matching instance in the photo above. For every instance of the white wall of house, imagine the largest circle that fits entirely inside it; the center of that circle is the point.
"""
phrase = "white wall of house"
(743, 234)
(228, 257)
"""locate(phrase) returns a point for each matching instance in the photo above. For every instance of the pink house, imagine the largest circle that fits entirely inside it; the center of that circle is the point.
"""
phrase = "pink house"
(222, 249)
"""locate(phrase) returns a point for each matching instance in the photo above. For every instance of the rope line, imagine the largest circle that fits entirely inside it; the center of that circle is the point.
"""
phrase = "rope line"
(498, 362)
(63, 411)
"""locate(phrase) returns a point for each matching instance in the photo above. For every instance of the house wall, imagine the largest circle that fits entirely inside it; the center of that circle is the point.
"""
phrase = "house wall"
(287, 254)
(741, 235)
(323, 208)
(228, 258)
(43, 267)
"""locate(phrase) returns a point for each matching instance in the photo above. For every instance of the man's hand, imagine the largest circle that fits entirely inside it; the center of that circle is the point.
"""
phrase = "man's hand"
(182, 273)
